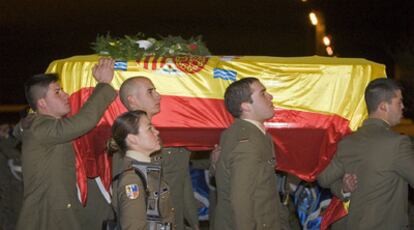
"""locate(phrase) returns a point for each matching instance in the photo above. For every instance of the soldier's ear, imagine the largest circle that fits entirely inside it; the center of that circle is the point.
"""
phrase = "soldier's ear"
(41, 104)
(245, 107)
(131, 100)
(131, 139)
(383, 106)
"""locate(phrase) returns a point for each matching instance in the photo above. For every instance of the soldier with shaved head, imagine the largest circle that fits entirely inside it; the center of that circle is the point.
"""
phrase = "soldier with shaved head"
(139, 93)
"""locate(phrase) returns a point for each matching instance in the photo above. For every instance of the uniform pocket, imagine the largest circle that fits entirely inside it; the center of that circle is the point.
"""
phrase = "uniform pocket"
(165, 204)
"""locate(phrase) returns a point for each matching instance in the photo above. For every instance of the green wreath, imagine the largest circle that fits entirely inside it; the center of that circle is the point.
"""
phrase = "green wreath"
(137, 46)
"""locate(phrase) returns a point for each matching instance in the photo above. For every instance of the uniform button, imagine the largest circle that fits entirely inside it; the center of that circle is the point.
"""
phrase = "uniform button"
(169, 152)
(172, 209)
(68, 205)
(264, 225)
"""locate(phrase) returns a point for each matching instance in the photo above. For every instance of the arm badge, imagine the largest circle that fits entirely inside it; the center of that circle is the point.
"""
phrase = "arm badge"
(132, 191)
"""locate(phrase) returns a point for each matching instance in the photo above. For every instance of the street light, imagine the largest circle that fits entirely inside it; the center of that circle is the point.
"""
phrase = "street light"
(317, 20)
(326, 41)
(313, 18)
(329, 50)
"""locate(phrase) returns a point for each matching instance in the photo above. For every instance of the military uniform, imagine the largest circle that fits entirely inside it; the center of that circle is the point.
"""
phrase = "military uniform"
(246, 181)
(48, 162)
(129, 197)
(206, 164)
(175, 169)
(175, 165)
(383, 162)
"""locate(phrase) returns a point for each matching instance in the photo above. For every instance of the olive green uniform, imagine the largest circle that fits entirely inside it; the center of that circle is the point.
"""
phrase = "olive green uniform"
(246, 181)
(175, 166)
(383, 162)
(175, 169)
(48, 162)
(129, 198)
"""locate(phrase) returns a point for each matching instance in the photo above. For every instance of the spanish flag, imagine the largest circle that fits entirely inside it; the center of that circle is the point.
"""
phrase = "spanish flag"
(319, 100)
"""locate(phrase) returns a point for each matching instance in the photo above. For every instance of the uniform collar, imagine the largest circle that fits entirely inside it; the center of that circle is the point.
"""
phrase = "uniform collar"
(138, 156)
(259, 125)
(377, 121)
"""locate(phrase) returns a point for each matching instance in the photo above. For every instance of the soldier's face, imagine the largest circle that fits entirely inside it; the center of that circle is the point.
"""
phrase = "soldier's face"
(147, 97)
(395, 109)
(148, 140)
(56, 101)
(262, 106)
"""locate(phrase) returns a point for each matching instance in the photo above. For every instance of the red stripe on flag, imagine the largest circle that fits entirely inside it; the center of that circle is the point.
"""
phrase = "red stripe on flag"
(154, 63)
(146, 60)
(305, 141)
(162, 62)
(333, 213)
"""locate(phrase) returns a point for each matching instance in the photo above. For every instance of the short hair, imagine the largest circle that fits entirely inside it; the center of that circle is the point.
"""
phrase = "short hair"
(126, 123)
(237, 93)
(128, 86)
(380, 90)
(37, 86)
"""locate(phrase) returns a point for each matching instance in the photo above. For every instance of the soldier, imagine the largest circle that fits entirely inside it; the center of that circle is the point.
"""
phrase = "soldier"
(48, 159)
(138, 190)
(381, 159)
(245, 171)
(139, 93)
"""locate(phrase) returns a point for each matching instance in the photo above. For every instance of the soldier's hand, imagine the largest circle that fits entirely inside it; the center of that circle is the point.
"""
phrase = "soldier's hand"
(215, 154)
(103, 72)
(349, 182)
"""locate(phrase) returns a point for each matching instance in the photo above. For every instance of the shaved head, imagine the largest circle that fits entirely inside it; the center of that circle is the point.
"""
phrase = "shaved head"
(139, 93)
(128, 88)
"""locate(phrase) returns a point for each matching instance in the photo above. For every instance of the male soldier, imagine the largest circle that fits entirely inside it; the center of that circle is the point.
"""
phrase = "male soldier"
(245, 172)
(48, 160)
(381, 159)
(139, 93)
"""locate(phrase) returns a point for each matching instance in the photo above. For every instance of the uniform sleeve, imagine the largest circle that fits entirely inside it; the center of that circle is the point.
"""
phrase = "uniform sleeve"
(131, 201)
(190, 206)
(336, 189)
(190, 203)
(244, 167)
(56, 131)
(403, 161)
(332, 173)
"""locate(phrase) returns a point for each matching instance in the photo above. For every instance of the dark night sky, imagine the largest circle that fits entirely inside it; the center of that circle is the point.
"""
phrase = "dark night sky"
(36, 32)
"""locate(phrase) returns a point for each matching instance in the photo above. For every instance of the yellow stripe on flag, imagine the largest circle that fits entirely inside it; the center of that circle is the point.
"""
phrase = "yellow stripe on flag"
(346, 205)
(315, 84)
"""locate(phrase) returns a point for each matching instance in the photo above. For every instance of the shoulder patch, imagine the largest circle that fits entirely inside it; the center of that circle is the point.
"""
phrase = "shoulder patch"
(243, 135)
(132, 191)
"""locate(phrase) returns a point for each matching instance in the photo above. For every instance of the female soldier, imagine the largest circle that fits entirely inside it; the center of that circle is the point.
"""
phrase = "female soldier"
(140, 197)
